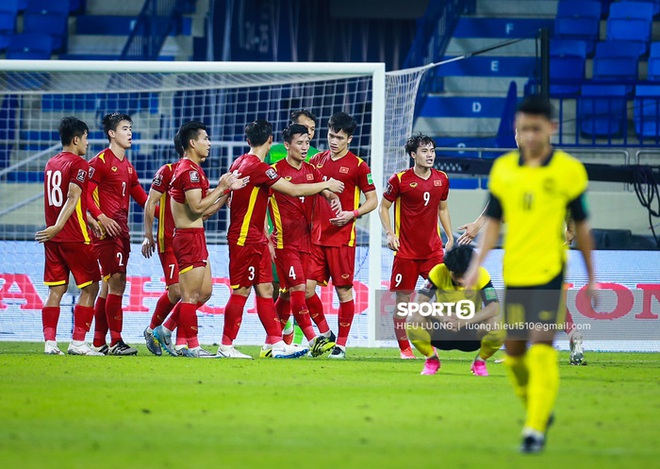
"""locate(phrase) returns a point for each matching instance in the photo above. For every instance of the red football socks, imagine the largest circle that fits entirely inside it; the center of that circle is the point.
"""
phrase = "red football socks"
(100, 322)
(82, 321)
(316, 313)
(233, 317)
(346, 313)
(163, 308)
(115, 317)
(49, 317)
(269, 319)
(301, 314)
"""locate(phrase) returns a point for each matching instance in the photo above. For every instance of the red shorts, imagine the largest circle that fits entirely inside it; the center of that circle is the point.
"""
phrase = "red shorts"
(406, 271)
(189, 246)
(113, 255)
(336, 262)
(292, 266)
(249, 265)
(76, 258)
(170, 265)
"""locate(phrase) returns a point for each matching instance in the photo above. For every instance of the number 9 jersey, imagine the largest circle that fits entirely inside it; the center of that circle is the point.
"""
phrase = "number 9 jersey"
(62, 170)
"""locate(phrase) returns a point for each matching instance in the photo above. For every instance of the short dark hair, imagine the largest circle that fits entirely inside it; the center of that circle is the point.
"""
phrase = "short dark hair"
(111, 121)
(258, 132)
(457, 259)
(178, 146)
(187, 132)
(536, 105)
(342, 121)
(293, 129)
(303, 112)
(417, 141)
(71, 127)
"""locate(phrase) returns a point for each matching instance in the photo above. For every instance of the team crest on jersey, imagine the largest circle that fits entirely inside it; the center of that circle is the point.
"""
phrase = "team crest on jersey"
(413, 184)
(343, 169)
(310, 177)
(271, 173)
(389, 188)
(114, 169)
(345, 276)
(437, 183)
(81, 175)
(130, 170)
(194, 176)
(158, 180)
(91, 172)
(288, 178)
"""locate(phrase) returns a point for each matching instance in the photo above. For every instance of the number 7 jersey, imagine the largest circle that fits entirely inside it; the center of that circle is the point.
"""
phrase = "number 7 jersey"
(416, 202)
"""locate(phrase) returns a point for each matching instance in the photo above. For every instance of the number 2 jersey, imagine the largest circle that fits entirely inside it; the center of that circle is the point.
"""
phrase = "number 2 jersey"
(416, 203)
(61, 170)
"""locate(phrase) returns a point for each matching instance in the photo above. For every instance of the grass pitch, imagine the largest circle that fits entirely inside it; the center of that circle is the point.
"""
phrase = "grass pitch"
(372, 410)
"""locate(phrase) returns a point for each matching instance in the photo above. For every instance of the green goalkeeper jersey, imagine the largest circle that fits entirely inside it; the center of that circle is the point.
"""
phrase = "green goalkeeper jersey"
(278, 152)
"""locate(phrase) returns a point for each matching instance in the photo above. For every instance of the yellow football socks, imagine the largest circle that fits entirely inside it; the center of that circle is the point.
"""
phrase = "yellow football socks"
(543, 385)
(421, 340)
(519, 375)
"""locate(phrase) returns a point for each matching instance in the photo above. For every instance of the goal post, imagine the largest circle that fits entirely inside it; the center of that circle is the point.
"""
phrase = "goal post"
(159, 96)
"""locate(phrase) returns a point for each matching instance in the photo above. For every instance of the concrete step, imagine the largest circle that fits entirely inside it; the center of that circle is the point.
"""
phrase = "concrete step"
(504, 28)
(481, 86)
(490, 67)
(85, 44)
(462, 46)
(115, 7)
(458, 127)
(510, 8)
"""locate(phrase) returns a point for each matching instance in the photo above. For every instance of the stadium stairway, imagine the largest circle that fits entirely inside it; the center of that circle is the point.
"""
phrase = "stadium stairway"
(468, 110)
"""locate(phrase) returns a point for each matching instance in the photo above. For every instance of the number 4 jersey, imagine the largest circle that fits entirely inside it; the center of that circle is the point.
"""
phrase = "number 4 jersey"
(62, 170)
(416, 202)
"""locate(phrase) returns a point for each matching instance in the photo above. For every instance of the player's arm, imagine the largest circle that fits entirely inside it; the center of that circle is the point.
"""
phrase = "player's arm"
(72, 198)
(333, 200)
(472, 229)
(445, 221)
(584, 240)
(345, 217)
(109, 225)
(138, 194)
(149, 245)
(491, 306)
(494, 215)
(302, 190)
(385, 220)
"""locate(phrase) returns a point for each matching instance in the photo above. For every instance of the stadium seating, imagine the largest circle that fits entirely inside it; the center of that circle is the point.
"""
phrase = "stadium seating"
(654, 3)
(601, 110)
(578, 20)
(630, 21)
(30, 46)
(653, 72)
(616, 62)
(7, 28)
(53, 24)
(567, 60)
(646, 111)
(48, 6)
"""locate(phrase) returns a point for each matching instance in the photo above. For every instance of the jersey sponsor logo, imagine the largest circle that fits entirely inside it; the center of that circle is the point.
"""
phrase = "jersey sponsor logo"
(343, 169)
(320, 165)
(194, 176)
(345, 276)
(370, 179)
(114, 169)
(437, 183)
(413, 184)
(82, 174)
(271, 173)
(158, 180)
(310, 177)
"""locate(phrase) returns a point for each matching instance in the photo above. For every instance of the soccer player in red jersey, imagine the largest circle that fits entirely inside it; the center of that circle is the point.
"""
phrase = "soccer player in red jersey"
(159, 205)
(249, 255)
(334, 236)
(113, 181)
(190, 201)
(291, 237)
(67, 238)
(419, 195)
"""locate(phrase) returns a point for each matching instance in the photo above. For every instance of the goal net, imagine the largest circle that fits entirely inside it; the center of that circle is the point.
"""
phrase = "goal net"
(160, 96)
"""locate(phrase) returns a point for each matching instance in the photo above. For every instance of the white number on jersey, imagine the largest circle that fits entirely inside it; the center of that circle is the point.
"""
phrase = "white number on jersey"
(54, 191)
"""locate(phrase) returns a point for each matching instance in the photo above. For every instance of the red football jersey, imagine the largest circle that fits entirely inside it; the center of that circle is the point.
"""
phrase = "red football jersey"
(356, 176)
(247, 206)
(416, 203)
(187, 176)
(161, 183)
(292, 216)
(115, 180)
(61, 170)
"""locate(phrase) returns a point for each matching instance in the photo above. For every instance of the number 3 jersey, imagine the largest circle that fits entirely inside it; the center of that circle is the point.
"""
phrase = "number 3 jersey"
(61, 170)
(416, 203)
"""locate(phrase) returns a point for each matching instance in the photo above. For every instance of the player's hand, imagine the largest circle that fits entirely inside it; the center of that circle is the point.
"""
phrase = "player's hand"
(471, 232)
(449, 245)
(111, 227)
(94, 225)
(333, 200)
(392, 242)
(46, 234)
(592, 293)
(226, 180)
(240, 182)
(148, 246)
(335, 186)
(343, 218)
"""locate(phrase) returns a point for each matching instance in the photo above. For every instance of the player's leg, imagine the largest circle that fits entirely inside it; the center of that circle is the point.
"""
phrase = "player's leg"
(419, 330)
(100, 319)
(56, 277)
(341, 263)
(575, 339)
(115, 315)
(402, 282)
(316, 272)
(195, 284)
(167, 300)
(491, 339)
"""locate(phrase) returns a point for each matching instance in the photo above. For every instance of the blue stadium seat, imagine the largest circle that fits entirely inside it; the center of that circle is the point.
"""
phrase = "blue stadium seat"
(646, 111)
(601, 110)
(30, 46)
(53, 24)
(630, 21)
(578, 20)
(654, 3)
(567, 59)
(11, 6)
(48, 6)
(653, 72)
(616, 49)
(7, 28)
(614, 62)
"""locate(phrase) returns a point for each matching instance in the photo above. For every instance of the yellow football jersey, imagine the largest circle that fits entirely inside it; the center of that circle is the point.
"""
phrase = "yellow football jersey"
(440, 285)
(534, 203)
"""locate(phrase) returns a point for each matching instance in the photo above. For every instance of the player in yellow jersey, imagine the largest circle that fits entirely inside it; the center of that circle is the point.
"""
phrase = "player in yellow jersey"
(532, 189)
(480, 329)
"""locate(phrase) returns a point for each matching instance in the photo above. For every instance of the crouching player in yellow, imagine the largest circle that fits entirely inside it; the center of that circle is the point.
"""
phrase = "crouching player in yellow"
(480, 331)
